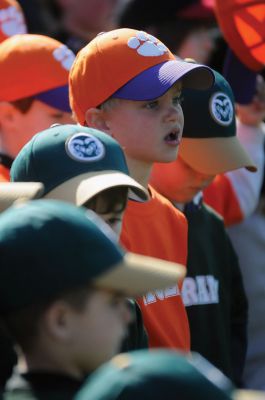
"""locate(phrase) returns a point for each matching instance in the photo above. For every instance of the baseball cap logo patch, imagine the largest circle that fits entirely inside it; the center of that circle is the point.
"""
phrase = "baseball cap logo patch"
(147, 45)
(221, 108)
(84, 147)
(65, 56)
(12, 21)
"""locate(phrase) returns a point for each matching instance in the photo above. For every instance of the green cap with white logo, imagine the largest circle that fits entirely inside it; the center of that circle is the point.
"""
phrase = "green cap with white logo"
(74, 163)
(48, 247)
(209, 144)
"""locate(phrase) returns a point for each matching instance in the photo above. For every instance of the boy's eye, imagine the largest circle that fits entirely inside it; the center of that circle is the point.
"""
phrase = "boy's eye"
(117, 300)
(113, 220)
(177, 100)
(151, 104)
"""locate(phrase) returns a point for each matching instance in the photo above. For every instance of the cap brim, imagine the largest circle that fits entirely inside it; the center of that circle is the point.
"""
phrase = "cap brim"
(156, 80)
(248, 395)
(215, 155)
(137, 275)
(57, 98)
(11, 192)
(82, 188)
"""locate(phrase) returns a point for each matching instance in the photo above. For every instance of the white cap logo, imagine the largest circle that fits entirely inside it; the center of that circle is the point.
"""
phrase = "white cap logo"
(12, 21)
(65, 56)
(84, 147)
(147, 45)
(221, 108)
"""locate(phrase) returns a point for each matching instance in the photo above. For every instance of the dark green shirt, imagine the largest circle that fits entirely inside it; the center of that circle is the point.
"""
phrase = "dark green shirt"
(41, 385)
(213, 293)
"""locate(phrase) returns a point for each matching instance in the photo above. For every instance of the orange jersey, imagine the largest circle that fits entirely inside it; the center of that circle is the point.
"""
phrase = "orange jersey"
(221, 196)
(157, 229)
(4, 174)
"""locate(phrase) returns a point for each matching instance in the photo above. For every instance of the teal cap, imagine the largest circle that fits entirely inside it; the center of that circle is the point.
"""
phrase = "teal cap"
(74, 163)
(156, 375)
(48, 247)
(209, 143)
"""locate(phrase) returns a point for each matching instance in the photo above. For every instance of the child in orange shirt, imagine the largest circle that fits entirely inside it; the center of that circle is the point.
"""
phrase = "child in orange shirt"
(128, 84)
(34, 73)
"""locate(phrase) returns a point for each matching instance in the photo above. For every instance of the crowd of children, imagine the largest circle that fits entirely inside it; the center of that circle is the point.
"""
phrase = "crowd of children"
(120, 169)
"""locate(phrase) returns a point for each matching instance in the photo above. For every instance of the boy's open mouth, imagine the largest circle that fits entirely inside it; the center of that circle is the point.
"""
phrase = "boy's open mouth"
(173, 138)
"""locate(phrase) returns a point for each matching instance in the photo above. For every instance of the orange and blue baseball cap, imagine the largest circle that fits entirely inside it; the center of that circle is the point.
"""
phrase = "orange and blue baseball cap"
(128, 64)
(35, 66)
(12, 20)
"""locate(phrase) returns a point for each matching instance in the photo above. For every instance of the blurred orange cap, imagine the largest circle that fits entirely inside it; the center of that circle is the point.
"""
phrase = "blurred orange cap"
(12, 20)
(31, 64)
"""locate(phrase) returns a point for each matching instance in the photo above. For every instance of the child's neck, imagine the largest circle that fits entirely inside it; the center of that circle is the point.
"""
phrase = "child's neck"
(139, 170)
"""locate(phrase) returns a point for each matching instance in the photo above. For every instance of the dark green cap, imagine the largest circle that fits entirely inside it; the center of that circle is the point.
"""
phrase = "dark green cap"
(48, 246)
(209, 142)
(156, 375)
(74, 163)
(214, 109)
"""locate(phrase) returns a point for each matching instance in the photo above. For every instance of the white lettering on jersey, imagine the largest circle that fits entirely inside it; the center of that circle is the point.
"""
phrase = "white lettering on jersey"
(203, 289)
(152, 297)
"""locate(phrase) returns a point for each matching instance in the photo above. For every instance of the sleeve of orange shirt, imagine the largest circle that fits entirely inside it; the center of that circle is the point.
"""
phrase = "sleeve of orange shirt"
(4, 174)
(235, 194)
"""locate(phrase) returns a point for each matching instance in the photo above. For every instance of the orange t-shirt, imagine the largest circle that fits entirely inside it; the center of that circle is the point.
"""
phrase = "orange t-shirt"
(4, 174)
(221, 196)
(158, 229)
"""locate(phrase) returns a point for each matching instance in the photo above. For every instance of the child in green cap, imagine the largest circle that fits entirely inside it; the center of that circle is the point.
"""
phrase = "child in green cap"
(64, 280)
(213, 291)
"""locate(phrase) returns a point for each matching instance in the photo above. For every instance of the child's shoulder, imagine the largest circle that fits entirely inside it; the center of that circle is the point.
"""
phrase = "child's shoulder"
(164, 204)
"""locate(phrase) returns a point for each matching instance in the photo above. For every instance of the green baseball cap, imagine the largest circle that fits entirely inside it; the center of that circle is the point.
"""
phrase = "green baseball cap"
(161, 375)
(11, 192)
(209, 143)
(48, 247)
(74, 163)
(156, 375)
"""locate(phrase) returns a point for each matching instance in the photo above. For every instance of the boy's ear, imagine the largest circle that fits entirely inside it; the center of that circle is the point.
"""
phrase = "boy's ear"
(95, 118)
(56, 319)
(7, 113)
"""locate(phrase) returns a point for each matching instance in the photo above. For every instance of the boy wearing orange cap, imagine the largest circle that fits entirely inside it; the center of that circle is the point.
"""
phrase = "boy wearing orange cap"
(12, 20)
(213, 291)
(34, 91)
(128, 84)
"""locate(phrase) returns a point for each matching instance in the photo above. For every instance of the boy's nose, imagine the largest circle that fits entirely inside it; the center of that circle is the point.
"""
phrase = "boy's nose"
(174, 114)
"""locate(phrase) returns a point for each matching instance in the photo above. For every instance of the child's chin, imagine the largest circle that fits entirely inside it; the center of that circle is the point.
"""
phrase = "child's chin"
(170, 157)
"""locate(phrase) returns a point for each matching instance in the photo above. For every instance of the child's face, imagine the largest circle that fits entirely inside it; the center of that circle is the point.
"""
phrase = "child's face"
(114, 220)
(148, 131)
(178, 181)
(97, 331)
(110, 206)
(40, 116)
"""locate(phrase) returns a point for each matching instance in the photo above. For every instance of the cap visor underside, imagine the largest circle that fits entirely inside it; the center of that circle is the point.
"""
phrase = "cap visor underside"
(80, 189)
(11, 192)
(215, 155)
(138, 275)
